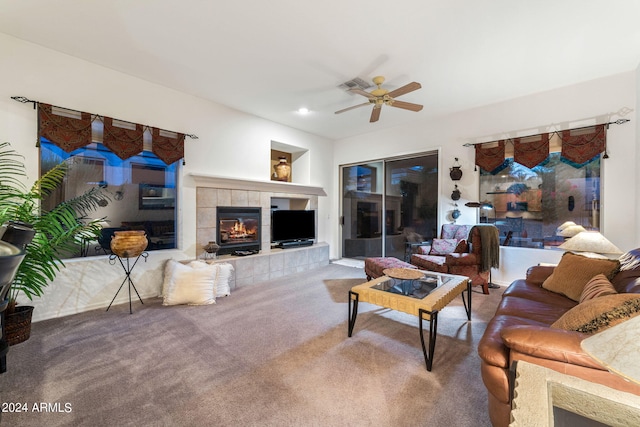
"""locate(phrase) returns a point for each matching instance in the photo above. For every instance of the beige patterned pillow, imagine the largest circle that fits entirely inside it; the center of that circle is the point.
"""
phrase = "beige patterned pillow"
(575, 271)
(599, 313)
(598, 286)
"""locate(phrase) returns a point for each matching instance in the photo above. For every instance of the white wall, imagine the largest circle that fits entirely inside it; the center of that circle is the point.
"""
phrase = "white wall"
(230, 143)
(578, 105)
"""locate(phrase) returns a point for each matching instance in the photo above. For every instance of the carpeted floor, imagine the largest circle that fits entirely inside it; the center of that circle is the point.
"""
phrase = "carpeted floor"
(271, 354)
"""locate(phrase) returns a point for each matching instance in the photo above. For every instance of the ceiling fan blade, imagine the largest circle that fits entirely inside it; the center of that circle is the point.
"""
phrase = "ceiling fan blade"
(405, 89)
(362, 92)
(375, 114)
(406, 105)
(353, 107)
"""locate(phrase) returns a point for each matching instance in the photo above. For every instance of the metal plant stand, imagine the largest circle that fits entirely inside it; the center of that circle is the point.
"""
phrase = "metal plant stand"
(127, 270)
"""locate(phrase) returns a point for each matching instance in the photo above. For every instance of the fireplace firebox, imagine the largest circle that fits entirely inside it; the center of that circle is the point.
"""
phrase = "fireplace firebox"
(238, 229)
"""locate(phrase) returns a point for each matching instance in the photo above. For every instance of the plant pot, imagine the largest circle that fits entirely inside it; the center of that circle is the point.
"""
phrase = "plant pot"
(129, 243)
(18, 324)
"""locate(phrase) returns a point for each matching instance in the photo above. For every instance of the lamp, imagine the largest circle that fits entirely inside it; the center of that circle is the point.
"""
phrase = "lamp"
(590, 243)
(617, 348)
(483, 206)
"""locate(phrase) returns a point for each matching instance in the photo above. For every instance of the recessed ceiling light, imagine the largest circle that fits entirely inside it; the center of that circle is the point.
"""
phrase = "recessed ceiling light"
(303, 110)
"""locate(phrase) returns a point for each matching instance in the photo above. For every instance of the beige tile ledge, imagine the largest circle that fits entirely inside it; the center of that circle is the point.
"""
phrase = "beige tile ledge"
(205, 180)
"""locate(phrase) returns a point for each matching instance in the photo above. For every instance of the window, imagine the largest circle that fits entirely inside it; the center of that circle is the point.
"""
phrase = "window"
(531, 206)
(142, 192)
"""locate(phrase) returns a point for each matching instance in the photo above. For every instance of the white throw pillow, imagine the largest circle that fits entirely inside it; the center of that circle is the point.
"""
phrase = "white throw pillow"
(187, 285)
(221, 277)
(222, 281)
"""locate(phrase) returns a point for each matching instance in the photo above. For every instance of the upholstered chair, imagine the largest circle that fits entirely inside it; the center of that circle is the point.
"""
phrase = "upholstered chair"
(475, 262)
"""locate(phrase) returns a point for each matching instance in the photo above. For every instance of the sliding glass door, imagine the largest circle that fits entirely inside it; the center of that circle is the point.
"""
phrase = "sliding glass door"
(362, 204)
(387, 204)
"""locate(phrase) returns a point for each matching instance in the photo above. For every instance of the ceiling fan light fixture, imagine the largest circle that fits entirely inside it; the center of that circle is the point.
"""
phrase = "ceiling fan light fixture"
(379, 97)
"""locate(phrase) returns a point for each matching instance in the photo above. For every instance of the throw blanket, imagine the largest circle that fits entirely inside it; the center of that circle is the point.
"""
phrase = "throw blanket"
(490, 237)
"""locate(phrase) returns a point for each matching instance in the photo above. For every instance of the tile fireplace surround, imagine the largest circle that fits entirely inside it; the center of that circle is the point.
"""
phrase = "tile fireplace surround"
(213, 191)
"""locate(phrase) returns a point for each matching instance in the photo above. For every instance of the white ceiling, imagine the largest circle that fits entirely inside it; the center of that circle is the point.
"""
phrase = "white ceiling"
(269, 58)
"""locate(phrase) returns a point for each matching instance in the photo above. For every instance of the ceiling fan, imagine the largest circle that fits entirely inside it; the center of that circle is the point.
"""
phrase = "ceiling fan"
(379, 97)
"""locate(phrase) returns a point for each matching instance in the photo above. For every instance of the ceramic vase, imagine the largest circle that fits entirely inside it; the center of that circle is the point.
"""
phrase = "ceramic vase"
(455, 173)
(211, 250)
(129, 243)
(282, 170)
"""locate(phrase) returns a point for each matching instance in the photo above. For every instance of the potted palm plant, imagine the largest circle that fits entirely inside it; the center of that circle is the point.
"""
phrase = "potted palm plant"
(56, 232)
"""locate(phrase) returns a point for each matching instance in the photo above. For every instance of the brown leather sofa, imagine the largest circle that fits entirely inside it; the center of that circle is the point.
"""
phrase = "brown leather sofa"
(520, 330)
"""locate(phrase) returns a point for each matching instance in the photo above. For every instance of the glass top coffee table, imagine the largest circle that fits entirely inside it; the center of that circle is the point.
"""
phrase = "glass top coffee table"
(417, 292)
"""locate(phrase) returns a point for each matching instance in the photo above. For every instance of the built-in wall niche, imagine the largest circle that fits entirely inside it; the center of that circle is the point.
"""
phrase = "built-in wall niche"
(290, 203)
(296, 157)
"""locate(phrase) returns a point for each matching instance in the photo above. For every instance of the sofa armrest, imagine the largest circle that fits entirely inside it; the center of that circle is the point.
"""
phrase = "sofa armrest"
(538, 274)
(462, 259)
(547, 343)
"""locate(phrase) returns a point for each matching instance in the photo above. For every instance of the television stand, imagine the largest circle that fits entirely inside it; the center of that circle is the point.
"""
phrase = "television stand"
(295, 244)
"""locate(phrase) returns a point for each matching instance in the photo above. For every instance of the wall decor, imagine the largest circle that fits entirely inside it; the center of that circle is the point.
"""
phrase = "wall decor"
(455, 195)
(455, 172)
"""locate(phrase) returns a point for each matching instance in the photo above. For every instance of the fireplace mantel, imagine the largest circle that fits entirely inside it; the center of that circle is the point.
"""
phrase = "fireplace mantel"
(204, 180)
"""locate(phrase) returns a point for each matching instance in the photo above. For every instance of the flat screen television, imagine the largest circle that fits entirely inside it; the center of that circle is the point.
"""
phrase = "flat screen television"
(292, 225)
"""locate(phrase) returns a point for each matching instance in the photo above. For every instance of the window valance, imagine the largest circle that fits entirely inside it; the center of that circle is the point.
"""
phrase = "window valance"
(71, 129)
(578, 147)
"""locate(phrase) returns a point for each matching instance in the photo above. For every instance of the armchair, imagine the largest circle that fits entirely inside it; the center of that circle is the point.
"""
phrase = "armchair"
(475, 262)
(445, 244)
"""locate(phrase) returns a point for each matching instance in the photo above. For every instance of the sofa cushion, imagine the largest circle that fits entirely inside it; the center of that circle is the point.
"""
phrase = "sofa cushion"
(534, 292)
(491, 348)
(430, 262)
(544, 312)
(443, 246)
(599, 313)
(598, 286)
(574, 272)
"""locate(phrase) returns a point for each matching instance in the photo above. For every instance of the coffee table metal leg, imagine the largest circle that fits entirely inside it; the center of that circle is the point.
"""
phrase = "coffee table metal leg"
(433, 330)
(353, 299)
(467, 301)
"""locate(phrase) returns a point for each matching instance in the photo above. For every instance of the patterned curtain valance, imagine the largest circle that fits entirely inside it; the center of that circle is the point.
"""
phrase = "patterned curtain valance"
(167, 148)
(580, 147)
(531, 153)
(68, 133)
(123, 142)
(72, 129)
(490, 158)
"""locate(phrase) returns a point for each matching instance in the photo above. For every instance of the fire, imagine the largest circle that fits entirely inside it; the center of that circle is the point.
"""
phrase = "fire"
(237, 231)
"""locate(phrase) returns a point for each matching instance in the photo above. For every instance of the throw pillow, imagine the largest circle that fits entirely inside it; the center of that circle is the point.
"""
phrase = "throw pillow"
(225, 271)
(599, 313)
(574, 271)
(188, 285)
(423, 250)
(443, 246)
(598, 286)
(221, 275)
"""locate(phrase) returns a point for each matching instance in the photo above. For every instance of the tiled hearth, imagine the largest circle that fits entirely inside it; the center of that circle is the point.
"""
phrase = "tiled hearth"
(212, 192)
